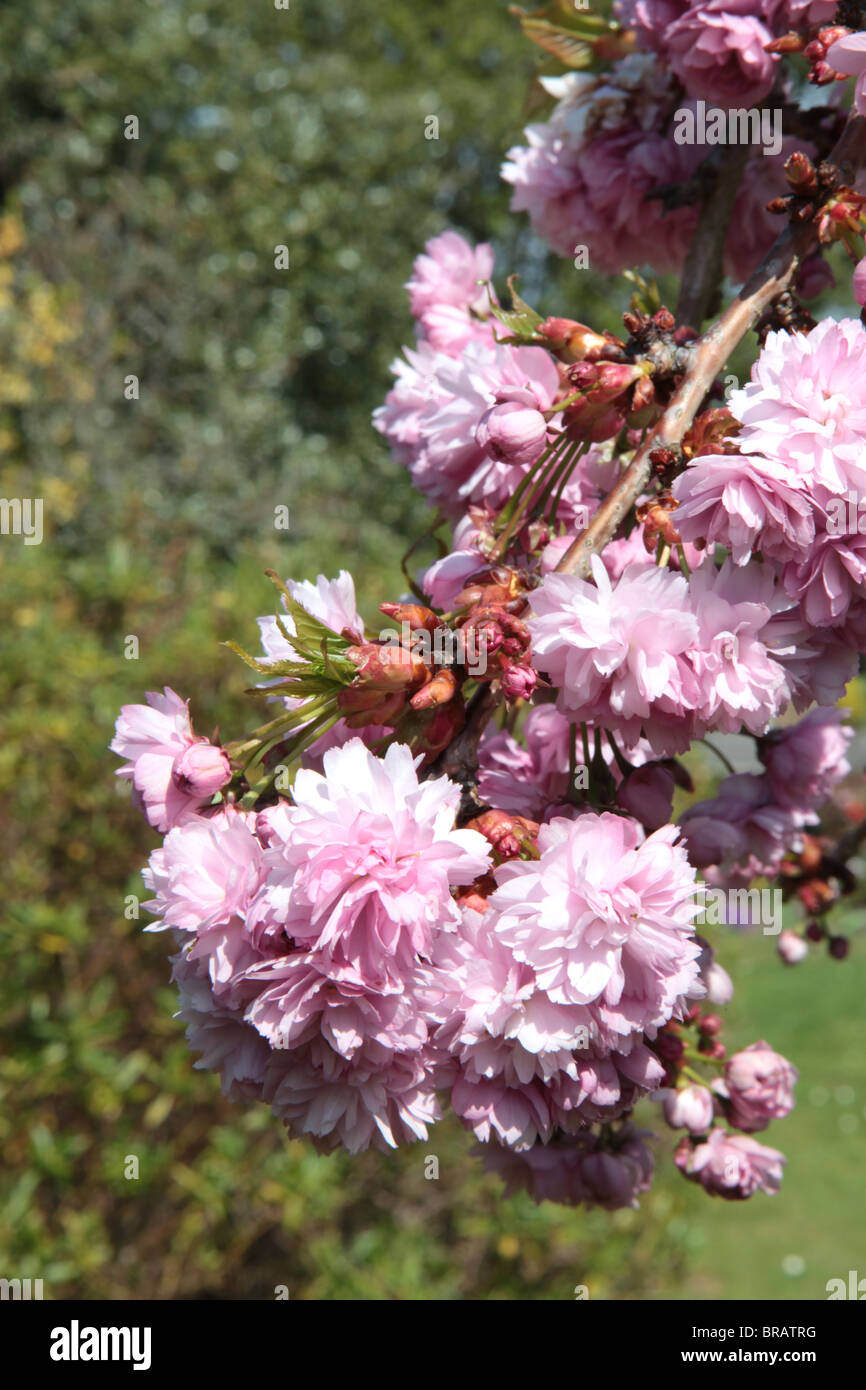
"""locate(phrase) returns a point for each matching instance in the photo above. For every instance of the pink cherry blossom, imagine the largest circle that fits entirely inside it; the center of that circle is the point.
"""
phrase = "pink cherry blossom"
(759, 1085)
(731, 1165)
(173, 772)
(616, 652)
(604, 918)
(368, 858)
(805, 405)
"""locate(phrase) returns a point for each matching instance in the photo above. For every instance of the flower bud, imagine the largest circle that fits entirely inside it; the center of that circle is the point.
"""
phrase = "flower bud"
(838, 946)
(386, 668)
(201, 770)
(518, 681)
(760, 1087)
(513, 430)
(647, 793)
(690, 1108)
(416, 615)
(720, 987)
(571, 341)
(800, 173)
(791, 947)
(438, 691)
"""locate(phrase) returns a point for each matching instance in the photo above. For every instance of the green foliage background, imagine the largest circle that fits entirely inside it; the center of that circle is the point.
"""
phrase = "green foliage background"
(261, 127)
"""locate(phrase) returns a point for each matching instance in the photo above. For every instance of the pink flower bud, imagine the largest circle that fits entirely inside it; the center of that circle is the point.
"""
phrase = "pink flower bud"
(860, 282)
(760, 1087)
(791, 947)
(720, 986)
(518, 682)
(647, 792)
(514, 429)
(691, 1108)
(201, 770)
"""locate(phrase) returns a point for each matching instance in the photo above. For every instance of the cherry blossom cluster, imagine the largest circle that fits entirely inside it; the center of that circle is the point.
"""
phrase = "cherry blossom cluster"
(461, 863)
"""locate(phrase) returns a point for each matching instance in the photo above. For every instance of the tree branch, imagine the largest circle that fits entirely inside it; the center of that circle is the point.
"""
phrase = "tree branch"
(702, 272)
(710, 353)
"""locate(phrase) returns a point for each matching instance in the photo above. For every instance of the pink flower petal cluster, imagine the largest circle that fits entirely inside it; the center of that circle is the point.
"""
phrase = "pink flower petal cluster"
(656, 654)
(585, 175)
(800, 476)
(361, 866)
(717, 50)
(174, 772)
(604, 918)
(807, 760)
(758, 1087)
(732, 1166)
(431, 419)
(450, 305)
(303, 932)
(805, 405)
(742, 829)
(547, 1000)
(575, 1169)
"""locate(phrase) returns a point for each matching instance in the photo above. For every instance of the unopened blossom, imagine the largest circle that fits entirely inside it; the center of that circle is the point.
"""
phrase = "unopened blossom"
(691, 1107)
(760, 1087)
(859, 281)
(368, 858)
(201, 770)
(733, 1166)
(806, 760)
(616, 652)
(719, 985)
(792, 948)
(174, 772)
(513, 430)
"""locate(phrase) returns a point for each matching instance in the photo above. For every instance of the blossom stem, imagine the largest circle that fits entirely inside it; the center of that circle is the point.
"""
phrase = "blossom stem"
(720, 755)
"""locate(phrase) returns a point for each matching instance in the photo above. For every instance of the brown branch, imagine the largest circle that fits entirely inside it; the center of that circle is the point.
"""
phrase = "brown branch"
(710, 354)
(702, 272)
